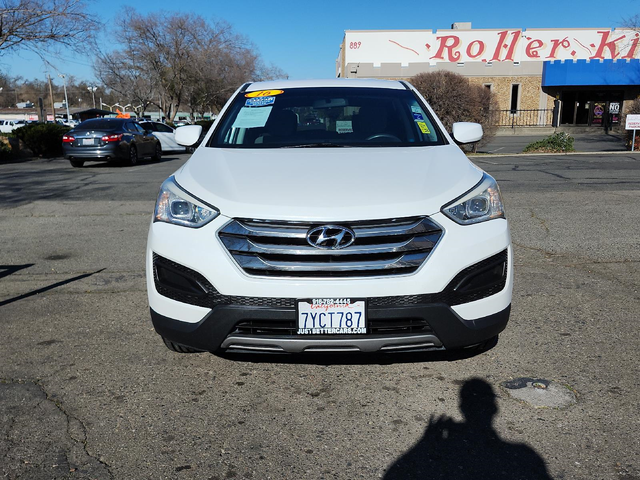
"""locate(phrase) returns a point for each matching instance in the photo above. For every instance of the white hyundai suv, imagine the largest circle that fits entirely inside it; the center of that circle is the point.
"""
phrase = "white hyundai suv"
(328, 216)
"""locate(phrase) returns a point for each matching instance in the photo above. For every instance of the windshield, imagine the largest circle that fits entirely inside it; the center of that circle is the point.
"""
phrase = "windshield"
(326, 117)
(100, 124)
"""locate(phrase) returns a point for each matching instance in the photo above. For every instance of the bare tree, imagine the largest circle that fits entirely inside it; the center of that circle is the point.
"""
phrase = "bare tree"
(454, 99)
(126, 77)
(632, 23)
(184, 59)
(40, 25)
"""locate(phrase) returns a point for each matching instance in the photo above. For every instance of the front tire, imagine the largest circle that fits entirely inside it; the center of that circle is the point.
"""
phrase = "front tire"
(77, 163)
(158, 153)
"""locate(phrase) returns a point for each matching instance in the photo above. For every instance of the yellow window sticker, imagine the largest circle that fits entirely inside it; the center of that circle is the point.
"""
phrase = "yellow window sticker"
(423, 127)
(263, 93)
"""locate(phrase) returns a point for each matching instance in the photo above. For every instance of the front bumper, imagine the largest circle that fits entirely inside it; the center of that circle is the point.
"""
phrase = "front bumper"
(394, 323)
(242, 328)
(448, 303)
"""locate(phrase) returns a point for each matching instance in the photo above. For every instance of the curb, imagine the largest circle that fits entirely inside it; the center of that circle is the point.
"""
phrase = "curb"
(494, 155)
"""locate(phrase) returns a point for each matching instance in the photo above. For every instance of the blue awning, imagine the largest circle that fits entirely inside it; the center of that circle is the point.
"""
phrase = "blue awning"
(595, 72)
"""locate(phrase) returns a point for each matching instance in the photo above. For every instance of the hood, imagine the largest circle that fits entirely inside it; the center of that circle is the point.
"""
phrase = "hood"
(337, 184)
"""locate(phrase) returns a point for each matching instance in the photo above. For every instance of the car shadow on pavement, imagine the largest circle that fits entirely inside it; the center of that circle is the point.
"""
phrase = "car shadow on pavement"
(97, 164)
(471, 449)
(49, 287)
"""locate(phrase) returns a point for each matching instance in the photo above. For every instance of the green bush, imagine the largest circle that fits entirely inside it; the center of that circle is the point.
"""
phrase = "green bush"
(43, 139)
(6, 153)
(559, 142)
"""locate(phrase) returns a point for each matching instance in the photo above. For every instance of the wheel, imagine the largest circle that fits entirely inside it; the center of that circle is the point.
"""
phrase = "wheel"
(176, 347)
(158, 153)
(384, 135)
(77, 163)
(133, 156)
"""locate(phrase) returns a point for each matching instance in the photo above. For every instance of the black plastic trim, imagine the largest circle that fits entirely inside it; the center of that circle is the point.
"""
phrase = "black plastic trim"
(450, 296)
(208, 334)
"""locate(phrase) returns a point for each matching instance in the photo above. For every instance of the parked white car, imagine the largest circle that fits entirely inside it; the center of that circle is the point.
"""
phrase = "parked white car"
(368, 230)
(165, 134)
(8, 126)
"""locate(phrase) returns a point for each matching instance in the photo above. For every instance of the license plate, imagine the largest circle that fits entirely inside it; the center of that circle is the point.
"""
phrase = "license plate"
(332, 316)
(87, 141)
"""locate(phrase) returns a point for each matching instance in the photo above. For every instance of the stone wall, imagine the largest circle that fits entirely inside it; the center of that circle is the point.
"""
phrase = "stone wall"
(531, 95)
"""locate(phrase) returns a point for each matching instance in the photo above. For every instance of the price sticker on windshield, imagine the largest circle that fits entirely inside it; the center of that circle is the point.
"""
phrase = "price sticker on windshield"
(263, 93)
(423, 127)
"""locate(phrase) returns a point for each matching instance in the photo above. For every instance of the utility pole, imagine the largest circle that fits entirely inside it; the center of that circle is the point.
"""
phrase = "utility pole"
(53, 108)
(66, 100)
(93, 89)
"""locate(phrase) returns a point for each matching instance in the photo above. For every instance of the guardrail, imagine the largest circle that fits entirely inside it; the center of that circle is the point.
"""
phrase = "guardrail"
(522, 118)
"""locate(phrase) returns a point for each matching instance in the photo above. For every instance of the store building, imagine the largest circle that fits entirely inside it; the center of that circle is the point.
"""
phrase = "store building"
(582, 77)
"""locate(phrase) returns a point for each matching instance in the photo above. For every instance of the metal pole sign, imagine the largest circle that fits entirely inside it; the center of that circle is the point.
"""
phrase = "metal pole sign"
(633, 123)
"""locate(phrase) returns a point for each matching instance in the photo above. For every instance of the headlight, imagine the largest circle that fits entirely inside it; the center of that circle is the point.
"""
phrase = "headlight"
(177, 206)
(483, 202)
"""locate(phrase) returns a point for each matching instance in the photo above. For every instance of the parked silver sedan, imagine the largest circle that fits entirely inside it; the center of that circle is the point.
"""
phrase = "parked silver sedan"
(111, 139)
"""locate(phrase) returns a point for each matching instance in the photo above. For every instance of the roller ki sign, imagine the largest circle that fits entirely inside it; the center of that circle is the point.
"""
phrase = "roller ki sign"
(458, 46)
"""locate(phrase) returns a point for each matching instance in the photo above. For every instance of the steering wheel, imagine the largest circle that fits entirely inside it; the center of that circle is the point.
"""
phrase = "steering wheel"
(384, 135)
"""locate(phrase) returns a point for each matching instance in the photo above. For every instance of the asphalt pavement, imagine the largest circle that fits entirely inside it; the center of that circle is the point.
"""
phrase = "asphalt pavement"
(88, 390)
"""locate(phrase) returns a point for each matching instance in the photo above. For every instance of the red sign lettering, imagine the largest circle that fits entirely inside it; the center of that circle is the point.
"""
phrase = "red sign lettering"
(450, 43)
(634, 46)
(556, 43)
(479, 49)
(611, 45)
(502, 39)
(532, 48)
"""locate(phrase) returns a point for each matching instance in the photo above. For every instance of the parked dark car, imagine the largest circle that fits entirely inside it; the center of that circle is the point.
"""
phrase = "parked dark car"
(112, 139)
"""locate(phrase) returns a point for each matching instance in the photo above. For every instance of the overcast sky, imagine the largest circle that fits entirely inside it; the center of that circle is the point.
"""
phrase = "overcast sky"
(303, 38)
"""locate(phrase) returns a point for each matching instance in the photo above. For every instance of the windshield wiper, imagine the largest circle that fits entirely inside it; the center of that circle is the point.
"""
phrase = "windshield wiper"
(314, 145)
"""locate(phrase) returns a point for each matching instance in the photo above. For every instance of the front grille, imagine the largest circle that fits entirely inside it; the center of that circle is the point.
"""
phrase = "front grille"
(281, 249)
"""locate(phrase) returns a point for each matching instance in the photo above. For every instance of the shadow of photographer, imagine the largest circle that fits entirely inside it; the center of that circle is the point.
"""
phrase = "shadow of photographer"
(471, 449)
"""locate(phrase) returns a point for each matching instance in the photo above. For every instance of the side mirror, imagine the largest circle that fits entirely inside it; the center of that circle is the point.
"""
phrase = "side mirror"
(467, 132)
(188, 135)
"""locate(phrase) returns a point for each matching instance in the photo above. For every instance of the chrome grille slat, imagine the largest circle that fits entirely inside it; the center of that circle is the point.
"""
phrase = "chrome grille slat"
(246, 230)
(259, 263)
(278, 248)
(418, 227)
(243, 245)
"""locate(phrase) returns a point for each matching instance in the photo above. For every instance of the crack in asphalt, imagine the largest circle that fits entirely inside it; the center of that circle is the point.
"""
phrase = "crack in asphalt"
(8, 441)
(542, 221)
(69, 418)
(557, 175)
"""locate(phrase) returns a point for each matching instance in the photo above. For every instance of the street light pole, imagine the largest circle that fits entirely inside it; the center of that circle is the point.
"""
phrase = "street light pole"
(66, 100)
(53, 107)
(111, 107)
(93, 94)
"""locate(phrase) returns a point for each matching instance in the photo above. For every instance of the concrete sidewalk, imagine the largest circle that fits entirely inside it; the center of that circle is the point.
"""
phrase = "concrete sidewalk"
(583, 142)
